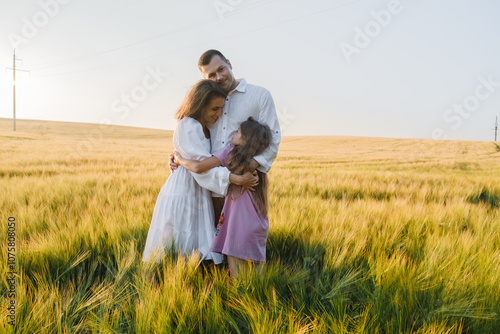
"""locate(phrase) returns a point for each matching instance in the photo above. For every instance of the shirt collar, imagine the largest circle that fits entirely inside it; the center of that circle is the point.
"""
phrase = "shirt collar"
(242, 86)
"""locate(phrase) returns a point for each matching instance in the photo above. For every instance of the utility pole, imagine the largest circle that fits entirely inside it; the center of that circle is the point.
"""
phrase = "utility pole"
(13, 68)
(496, 127)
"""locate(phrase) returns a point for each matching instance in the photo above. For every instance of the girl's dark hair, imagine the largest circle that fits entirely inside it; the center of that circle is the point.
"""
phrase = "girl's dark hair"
(198, 98)
(257, 138)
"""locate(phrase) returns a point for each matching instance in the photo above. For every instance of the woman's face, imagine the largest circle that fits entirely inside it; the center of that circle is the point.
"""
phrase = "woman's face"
(213, 110)
(237, 138)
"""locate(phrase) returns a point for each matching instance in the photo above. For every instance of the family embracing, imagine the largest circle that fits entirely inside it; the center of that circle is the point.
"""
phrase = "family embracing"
(215, 200)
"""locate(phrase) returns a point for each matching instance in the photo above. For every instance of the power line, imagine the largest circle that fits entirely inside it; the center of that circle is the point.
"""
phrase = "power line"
(187, 27)
(212, 41)
(93, 20)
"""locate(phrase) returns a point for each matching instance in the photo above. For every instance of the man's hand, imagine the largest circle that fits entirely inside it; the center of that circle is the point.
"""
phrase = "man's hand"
(177, 157)
(254, 164)
(173, 165)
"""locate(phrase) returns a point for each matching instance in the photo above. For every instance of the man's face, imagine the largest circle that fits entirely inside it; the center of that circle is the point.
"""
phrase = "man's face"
(220, 72)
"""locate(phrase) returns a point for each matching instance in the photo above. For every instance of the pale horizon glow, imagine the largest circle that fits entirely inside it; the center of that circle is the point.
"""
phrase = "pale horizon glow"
(401, 69)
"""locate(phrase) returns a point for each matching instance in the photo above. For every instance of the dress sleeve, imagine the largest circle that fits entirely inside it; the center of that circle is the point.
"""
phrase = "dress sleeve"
(269, 116)
(188, 140)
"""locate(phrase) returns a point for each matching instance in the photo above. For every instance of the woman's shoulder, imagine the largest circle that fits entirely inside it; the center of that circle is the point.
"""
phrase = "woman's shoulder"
(189, 121)
(188, 130)
(189, 124)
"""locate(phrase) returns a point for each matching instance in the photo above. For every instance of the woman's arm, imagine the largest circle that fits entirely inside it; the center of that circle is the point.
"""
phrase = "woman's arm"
(196, 166)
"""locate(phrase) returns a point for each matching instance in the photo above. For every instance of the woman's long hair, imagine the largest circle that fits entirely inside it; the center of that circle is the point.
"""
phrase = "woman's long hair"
(257, 138)
(198, 99)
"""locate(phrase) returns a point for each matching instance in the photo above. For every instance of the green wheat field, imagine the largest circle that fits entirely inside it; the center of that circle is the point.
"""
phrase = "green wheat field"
(367, 235)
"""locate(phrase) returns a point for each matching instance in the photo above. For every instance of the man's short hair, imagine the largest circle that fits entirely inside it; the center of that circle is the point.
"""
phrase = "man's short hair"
(207, 56)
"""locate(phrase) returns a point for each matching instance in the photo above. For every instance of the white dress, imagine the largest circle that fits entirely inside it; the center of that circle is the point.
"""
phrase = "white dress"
(183, 216)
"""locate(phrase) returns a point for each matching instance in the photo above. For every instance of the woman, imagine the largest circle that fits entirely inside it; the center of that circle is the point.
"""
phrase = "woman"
(183, 215)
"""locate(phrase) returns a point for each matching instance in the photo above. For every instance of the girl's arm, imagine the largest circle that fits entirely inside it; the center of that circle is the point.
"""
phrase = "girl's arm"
(248, 180)
(196, 166)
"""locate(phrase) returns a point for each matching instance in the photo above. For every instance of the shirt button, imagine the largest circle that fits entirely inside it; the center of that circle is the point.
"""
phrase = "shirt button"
(223, 128)
(225, 113)
(222, 142)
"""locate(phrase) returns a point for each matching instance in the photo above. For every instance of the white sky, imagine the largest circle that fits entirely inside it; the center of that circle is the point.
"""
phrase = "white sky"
(86, 56)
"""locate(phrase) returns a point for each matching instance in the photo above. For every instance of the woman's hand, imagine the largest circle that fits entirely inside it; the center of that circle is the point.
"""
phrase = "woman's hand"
(249, 180)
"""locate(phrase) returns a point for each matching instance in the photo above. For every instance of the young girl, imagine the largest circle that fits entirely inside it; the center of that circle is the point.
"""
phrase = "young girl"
(243, 225)
(183, 216)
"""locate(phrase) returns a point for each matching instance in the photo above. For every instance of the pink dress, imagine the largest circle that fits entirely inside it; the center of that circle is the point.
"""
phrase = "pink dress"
(241, 232)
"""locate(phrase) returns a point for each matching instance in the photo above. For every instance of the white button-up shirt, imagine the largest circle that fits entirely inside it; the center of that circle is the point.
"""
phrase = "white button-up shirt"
(244, 101)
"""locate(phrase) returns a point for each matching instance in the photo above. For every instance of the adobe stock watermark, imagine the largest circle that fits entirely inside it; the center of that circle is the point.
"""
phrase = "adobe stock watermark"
(32, 26)
(372, 29)
(139, 93)
(284, 118)
(122, 107)
(455, 115)
(224, 6)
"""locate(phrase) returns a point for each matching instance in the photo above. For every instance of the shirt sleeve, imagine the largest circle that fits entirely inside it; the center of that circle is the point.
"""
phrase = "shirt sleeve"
(269, 116)
(188, 140)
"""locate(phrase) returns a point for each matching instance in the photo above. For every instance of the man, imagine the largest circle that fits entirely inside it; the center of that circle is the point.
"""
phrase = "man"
(243, 100)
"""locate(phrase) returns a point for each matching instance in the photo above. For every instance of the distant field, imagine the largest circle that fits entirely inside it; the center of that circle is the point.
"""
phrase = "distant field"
(367, 235)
